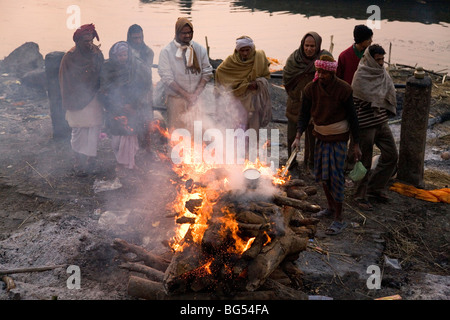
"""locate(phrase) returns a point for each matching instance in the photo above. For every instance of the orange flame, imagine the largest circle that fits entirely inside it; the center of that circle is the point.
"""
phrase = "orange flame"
(249, 243)
(230, 226)
(155, 126)
(206, 266)
(209, 195)
(268, 239)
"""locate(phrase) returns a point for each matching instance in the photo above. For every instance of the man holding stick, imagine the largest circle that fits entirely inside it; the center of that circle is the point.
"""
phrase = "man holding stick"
(328, 101)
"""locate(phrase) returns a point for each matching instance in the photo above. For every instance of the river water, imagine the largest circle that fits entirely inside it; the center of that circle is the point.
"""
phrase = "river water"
(418, 32)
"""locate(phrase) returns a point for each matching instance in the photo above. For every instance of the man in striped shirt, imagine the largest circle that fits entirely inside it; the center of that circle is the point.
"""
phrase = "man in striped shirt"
(375, 101)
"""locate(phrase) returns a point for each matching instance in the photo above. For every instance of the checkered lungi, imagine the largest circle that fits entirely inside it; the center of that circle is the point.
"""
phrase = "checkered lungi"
(329, 158)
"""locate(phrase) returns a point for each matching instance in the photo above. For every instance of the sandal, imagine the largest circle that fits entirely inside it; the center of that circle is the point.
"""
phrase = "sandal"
(364, 204)
(323, 213)
(336, 227)
(379, 196)
(78, 172)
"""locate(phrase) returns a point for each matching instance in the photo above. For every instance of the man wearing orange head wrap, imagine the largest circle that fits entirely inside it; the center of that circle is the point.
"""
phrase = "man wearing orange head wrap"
(184, 69)
(79, 76)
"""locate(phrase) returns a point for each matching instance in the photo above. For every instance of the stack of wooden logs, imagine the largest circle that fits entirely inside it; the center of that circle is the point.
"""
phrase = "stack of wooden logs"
(212, 269)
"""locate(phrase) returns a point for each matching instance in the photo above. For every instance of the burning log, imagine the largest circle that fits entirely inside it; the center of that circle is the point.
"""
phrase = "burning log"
(271, 256)
(236, 246)
(304, 222)
(185, 219)
(299, 204)
(212, 175)
(296, 193)
(300, 192)
(181, 270)
(280, 276)
(147, 257)
(215, 240)
(225, 275)
(299, 186)
(256, 246)
(294, 273)
(252, 226)
(145, 289)
(264, 226)
(151, 290)
(247, 216)
(304, 232)
(151, 273)
(295, 183)
(305, 226)
(193, 205)
(310, 190)
(262, 209)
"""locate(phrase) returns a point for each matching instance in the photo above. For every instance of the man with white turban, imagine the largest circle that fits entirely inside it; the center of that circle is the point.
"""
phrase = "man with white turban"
(244, 74)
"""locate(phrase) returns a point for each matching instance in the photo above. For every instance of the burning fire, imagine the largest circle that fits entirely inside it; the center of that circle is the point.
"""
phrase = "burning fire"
(267, 171)
(205, 196)
(230, 225)
(208, 196)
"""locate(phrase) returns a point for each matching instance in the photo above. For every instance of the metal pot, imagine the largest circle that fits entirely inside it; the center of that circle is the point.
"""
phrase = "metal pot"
(252, 177)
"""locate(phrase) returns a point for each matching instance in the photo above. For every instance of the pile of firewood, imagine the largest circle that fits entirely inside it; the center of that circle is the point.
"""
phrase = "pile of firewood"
(212, 270)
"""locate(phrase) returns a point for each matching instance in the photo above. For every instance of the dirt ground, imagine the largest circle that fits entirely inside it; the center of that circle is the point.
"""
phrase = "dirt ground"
(50, 217)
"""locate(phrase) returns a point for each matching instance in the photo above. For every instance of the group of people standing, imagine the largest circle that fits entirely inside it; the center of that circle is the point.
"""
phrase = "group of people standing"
(115, 94)
(118, 94)
(341, 107)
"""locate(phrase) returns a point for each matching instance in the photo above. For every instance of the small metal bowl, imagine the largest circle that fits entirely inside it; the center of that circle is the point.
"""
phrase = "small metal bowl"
(252, 177)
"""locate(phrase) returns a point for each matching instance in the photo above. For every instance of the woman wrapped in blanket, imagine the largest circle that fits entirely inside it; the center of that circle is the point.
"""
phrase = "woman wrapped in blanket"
(124, 86)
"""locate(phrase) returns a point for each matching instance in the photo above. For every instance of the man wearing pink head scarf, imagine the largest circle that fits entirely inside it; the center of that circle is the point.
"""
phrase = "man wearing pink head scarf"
(328, 101)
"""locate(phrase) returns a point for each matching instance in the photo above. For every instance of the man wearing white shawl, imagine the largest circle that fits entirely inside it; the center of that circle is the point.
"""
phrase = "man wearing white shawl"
(375, 100)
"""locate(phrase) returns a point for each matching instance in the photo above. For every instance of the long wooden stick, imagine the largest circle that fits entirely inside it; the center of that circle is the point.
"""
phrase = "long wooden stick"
(414, 67)
(39, 174)
(331, 44)
(207, 46)
(23, 222)
(389, 57)
(32, 269)
(288, 163)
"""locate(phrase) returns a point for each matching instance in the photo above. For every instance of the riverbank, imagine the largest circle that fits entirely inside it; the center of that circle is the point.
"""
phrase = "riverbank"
(52, 218)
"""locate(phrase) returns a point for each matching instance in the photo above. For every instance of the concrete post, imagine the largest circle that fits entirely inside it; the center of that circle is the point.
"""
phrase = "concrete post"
(61, 129)
(413, 133)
